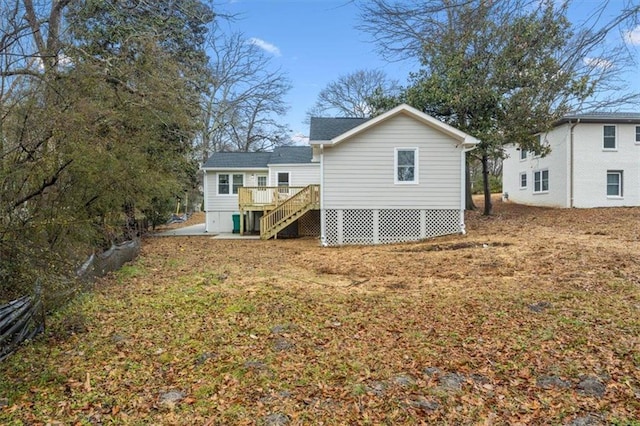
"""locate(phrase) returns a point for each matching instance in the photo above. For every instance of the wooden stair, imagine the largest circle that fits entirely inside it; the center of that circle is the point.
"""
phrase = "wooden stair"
(289, 211)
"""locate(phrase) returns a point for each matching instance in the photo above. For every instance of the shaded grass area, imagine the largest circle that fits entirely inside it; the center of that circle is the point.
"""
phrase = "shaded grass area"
(531, 318)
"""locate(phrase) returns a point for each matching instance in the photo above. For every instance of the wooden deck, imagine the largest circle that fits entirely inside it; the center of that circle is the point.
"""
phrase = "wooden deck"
(265, 198)
(281, 205)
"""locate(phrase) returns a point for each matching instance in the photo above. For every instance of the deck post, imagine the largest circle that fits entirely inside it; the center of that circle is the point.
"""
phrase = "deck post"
(241, 221)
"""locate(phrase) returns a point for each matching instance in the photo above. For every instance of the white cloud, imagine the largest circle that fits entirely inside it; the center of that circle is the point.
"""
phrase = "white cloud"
(300, 139)
(266, 46)
(598, 63)
(633, 36)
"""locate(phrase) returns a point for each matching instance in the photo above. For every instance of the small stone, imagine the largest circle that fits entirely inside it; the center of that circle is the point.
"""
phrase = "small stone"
(255, 365)
(171, 397)
(452, 381)
(591, 386)
(539, 306)
(4, 402)
(588, 420)
(377, 388)
(432, 371)
(204, 357)
(550, 382)
(282, 344)
(424, 404)
(480, 379)
(279, 329)
(118, 338)
(403, 381)
(276, 419)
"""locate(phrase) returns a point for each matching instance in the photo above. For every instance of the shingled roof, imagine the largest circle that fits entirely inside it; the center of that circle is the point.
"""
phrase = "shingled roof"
(601, 117)
(259, 160)
(324, 129)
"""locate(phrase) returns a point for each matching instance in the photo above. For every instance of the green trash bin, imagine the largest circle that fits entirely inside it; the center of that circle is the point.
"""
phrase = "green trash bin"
(236, 223)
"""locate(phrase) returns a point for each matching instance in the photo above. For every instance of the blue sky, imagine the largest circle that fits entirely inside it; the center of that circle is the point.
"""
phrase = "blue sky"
(315, 41)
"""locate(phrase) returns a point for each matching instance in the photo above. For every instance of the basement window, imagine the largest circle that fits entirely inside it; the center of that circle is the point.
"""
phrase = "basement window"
(614, 183)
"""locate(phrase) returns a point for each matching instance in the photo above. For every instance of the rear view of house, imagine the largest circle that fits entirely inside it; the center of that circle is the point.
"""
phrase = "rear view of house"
(254, 182)
(394, 178)
(594, 162)
(397, 177)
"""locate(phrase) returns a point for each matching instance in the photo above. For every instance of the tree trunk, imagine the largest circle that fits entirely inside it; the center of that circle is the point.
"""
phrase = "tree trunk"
(469, 205)
(486, 186)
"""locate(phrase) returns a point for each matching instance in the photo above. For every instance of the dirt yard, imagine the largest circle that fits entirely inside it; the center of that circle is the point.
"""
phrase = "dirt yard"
(532, 317)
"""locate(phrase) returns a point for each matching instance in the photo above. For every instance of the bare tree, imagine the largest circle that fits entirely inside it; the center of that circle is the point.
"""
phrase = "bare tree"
(350, 95)
(245, 96)
(411, 31)
(503, 71)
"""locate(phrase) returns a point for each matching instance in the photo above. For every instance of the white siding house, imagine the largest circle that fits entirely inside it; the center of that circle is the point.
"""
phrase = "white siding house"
(594, 162)
(251, 169)
(397, 177)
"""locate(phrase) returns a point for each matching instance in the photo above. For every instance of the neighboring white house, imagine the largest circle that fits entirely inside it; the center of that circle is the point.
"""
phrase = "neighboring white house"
(594, 162)
(397, 177)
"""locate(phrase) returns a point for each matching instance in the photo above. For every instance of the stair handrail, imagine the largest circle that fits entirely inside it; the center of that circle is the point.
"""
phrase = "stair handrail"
(302, 200)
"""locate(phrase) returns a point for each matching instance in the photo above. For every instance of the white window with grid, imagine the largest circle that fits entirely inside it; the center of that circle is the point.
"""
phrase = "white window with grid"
(229, 184)
(614, 183)
(523, 180)
(609, 137)
(406, 166)
(541, 181)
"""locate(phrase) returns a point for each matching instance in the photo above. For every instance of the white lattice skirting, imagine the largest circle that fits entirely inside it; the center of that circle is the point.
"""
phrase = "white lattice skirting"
(388, 226)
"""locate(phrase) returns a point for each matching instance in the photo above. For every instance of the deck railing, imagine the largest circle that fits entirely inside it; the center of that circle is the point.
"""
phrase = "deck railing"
(304, 200)
(265, 197)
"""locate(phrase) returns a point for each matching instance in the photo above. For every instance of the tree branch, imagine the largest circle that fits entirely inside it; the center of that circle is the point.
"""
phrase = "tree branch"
(45, 184)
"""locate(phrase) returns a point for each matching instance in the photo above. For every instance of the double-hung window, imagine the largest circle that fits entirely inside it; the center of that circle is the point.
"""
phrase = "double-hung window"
(523, 180)
(284, 180)
(609, 137)
(229, 183)
(637, 134)
(614, 183)
(406, 165)
(541, 181)
(523, 154)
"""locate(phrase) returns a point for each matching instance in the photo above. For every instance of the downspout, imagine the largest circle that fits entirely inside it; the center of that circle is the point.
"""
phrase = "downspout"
(323, 222)
(204, 189)
(571, 149)
(463, 179)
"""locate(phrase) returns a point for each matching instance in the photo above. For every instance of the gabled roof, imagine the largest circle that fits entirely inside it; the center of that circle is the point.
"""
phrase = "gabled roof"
(468, 141)
(325, 129)
(259, 160)
(601, 117)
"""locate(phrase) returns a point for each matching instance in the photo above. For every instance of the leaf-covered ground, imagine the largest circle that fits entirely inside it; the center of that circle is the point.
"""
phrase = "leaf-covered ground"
(533, 317)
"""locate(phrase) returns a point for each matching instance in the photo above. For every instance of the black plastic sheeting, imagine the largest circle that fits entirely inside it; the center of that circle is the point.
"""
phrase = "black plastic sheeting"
(24, 318)
(20, 320)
